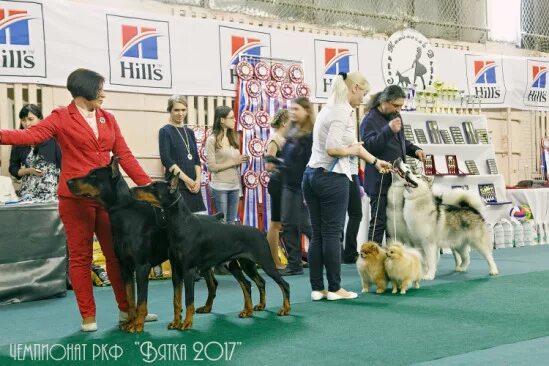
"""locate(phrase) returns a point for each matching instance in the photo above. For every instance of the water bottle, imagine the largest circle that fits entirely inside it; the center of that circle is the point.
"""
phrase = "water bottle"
(499, 236)
(518, 237)
(507, 233)
(529, 233)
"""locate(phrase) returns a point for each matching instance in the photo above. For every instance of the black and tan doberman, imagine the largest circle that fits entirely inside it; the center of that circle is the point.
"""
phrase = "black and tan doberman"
(139, 235)
(196, 243)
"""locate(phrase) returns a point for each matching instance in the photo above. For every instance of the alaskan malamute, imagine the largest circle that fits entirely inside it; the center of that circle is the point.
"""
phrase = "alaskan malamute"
(433, 224)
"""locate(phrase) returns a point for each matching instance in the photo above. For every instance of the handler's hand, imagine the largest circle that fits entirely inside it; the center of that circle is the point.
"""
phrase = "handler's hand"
(383, 167)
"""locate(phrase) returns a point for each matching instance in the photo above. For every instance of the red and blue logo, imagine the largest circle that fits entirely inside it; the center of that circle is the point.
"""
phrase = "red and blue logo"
(139, 42)
(485, 72)
(244, 45)
(539, 76)
(336, 60)
(14, 27)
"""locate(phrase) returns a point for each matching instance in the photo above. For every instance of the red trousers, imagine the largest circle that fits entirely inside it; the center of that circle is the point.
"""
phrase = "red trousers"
(82, 218)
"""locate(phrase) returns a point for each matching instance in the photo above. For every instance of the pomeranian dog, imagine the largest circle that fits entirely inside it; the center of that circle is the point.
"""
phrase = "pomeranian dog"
(403, 266)
(371, 267)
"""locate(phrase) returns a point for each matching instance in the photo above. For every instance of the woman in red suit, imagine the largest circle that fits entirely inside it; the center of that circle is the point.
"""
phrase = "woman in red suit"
(87, 135)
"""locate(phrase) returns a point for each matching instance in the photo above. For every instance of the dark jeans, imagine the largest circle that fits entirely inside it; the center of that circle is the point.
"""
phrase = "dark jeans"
(295, 219)
(354, 210)
(381, 222)
(327, 195)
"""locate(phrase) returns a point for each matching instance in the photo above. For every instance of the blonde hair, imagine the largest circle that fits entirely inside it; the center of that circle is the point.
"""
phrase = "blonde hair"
(281, 117)
(343, 83)
(176, 99)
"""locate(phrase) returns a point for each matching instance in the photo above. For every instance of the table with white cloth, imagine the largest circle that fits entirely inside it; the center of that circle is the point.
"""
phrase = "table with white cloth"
(538, 201)
(33, 262)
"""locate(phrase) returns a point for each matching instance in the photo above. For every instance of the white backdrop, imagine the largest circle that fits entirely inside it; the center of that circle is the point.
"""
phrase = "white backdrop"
(43, 41)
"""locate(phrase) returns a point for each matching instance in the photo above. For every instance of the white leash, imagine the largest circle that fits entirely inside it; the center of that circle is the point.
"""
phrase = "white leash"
(394, 207)
(377, 207)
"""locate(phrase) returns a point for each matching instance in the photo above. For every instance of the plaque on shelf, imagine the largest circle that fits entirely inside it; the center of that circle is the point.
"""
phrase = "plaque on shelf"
(482, 136)
(451, 164)
(446, 138)
(465, 187)
(472, 167)
(434, 136)
(487, 192)
(421, 138)
(470, 134)
(429, 165)
(456, 135)
(408, 134)
(492, 167)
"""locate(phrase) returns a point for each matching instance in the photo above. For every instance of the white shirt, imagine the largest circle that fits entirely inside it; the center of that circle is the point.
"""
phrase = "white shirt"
(89, 116)
(335, 127)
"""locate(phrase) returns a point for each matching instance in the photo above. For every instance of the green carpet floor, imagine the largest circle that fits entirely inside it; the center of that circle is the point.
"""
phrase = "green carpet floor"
(458, 319)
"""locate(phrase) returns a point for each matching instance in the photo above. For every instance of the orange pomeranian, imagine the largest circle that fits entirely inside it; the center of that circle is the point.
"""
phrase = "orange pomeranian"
(403, 266)
(371, 267)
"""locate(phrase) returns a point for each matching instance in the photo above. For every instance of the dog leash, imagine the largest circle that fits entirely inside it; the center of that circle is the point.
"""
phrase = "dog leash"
(377, 207)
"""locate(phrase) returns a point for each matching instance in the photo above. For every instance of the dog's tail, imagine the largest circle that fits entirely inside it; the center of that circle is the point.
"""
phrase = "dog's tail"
(464, 199)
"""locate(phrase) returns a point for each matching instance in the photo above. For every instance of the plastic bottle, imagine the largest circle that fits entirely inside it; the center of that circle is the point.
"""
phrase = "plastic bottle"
(507, 233)
(499, 236)
(528, 232)
(518, 234)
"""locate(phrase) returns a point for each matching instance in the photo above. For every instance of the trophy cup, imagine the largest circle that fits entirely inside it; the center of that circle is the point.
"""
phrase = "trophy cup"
(461, 94)
(428, 101)
(421, 103)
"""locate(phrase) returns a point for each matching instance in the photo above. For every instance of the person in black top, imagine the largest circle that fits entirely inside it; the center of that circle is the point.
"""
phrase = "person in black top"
(280, 124)
(382, 134)
(37, 166)
(296, 153)
(179, 153)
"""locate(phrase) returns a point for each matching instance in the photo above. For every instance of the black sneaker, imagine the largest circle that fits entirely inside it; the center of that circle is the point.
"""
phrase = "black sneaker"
(350, 260)
(289, 272)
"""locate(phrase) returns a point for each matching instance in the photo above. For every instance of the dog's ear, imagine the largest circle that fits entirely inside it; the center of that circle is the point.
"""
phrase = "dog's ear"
(115, 168)
(174, 182)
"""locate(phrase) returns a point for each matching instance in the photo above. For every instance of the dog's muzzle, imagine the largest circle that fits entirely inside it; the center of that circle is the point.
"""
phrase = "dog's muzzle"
(404, 172)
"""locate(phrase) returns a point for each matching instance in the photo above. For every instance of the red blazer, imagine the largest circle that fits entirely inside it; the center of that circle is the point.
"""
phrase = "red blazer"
(80, 149)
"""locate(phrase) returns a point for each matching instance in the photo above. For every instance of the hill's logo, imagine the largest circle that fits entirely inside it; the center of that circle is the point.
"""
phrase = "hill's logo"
(331, 58)
(139, 42)
(485, 78)
(139, 52)
(336, 60)
(22, 51)
(535, 93)
(485, 72)
(408, 60)
(14, 27)
(539, 76)
(233, 43)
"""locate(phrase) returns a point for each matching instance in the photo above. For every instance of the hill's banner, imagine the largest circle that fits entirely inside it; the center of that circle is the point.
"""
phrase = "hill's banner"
(43, 41)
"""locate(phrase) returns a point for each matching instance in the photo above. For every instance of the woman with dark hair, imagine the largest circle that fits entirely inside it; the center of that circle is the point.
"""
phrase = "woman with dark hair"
(87, 135)
(37, 166)
(382, 134)
(296, 153)
(179, 153)
(333, 162)
(223, 159)
(274, 147)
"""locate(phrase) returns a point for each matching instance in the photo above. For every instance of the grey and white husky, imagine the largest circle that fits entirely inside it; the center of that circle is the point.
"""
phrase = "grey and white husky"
(433, 223)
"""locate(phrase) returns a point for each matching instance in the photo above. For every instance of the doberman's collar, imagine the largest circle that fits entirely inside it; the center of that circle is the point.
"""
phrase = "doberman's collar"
(174, 202)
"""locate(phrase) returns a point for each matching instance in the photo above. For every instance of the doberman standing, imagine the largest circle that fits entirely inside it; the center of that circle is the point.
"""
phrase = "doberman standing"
(139, 234)
(196, 243)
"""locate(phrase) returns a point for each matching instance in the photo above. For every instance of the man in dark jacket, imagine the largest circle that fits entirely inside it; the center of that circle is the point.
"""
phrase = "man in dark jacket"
(382, 134)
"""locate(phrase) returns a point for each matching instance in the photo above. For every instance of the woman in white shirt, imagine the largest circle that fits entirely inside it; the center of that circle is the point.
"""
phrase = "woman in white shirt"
(333, 161)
